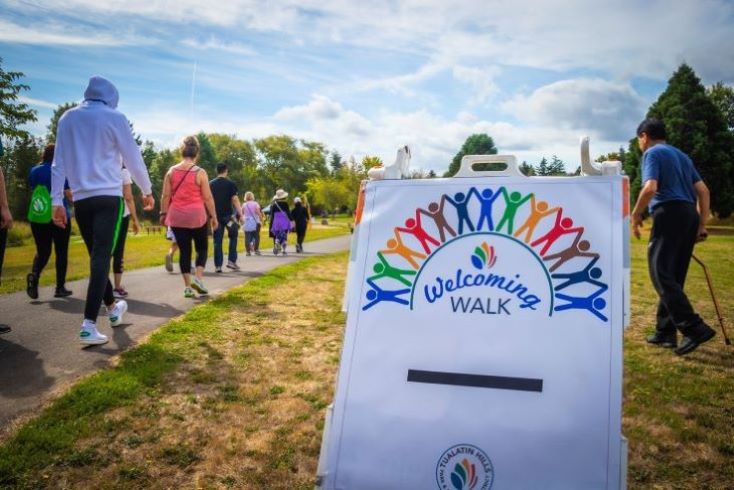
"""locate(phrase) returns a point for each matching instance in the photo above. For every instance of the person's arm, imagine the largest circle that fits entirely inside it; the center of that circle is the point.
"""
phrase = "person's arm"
(237, 208)
(704, 197)
(165, 197)
(134, 161)
(127, 194)
(206, 192)
(58, 177)
(643, 200)
(6, 219)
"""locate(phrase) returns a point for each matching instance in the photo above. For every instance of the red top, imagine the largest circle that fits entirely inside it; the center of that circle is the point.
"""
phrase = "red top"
(186, 208)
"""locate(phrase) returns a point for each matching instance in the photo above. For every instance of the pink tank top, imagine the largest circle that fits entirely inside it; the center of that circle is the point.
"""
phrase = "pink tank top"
(186, 209)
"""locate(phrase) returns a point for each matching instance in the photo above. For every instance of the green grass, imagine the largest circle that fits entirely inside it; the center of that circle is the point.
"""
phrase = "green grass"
(232, 394)
(141, 251)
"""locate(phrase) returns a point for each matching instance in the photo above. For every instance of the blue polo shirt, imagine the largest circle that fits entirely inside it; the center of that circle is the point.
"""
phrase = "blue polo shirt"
(41, 175)
(674, 172)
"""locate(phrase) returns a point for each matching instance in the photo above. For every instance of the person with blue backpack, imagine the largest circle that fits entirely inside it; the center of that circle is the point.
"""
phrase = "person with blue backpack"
(45, 233)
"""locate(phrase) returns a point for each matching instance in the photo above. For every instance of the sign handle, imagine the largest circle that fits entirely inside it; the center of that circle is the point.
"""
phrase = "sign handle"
(507, 163)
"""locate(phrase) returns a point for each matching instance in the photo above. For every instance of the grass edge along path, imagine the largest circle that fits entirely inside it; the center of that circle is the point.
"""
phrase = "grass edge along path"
(49, 442)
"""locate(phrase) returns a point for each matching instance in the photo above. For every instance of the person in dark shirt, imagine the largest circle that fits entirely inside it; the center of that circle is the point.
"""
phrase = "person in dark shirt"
(671, 188)
(228, 209)
(48, 235)
(300, 216)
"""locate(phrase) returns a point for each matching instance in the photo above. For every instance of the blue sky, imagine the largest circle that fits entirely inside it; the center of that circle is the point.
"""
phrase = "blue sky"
(367, 77)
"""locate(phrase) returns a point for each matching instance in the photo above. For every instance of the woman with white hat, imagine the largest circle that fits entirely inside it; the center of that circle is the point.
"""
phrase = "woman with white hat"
(280, 221)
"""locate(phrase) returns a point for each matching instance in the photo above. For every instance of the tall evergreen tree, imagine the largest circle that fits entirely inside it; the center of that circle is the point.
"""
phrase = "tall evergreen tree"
(556, 166)
(543, 169)
(476, 144)
(723, 97)
(54, 123)
(335, 162)
(696, 126)
(527, 169)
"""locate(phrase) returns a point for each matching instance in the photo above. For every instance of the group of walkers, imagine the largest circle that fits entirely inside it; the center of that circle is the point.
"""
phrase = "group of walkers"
(92, 166)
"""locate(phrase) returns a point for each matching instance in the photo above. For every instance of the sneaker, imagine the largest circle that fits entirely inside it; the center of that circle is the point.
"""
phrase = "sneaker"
(115, 314)
(5, 329)
(248, 254)
(218, 270)
(663, 339)
(62, 292)
(169, 262)
(88, 335)
(233, 266)
(188, 293)
(257, 252)
(198, 286)
(32, 285)
(119, 293)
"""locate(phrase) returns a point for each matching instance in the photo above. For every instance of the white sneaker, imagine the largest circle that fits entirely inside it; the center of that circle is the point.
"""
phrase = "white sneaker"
(115, 314)
(88, 335)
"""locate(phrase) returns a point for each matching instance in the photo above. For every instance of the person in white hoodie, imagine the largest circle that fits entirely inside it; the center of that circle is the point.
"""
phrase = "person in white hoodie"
(91, 141)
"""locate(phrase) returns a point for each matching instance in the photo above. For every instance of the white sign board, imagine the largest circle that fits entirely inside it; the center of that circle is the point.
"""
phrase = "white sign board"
(483, 346)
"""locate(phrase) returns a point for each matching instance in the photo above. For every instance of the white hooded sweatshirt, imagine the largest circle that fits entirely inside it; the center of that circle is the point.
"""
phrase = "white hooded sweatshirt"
(91, 140)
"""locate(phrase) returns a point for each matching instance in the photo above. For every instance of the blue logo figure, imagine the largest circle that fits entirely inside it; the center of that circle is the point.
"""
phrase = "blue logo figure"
(461, 203)
(588, 274)
(377, 295)
(593, 303)
(486, 200)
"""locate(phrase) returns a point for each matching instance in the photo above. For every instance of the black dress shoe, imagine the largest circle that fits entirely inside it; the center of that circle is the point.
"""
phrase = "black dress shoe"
(5, 329)
(62, 292)
(667, 340)
(691, 342)
(31, 282)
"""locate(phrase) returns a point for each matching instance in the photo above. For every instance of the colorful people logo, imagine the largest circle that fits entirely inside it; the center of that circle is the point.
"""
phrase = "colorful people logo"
(573, 269)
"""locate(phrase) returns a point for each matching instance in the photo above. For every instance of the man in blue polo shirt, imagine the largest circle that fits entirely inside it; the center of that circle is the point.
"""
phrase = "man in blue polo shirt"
(671, 188)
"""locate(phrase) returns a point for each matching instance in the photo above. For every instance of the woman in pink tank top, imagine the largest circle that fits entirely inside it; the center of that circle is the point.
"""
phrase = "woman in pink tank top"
(185, 202)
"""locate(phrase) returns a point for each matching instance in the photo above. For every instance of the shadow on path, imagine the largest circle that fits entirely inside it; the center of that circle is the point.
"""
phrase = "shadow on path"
(22, 373)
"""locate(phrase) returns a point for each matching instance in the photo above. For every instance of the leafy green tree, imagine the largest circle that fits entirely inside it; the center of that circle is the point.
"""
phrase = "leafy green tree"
(207, 157)
(696, 126)
(335, 162)
(13, 114)
(241, 159)
(527, 169)
(21, 154)
(371, 161)
(476, 144)
(723, 97)
(54, 123)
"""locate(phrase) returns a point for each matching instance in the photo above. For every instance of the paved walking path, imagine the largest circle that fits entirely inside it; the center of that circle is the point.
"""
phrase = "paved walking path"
(42, 355)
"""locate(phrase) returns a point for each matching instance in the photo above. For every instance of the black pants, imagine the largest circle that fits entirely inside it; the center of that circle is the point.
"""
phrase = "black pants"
(184, 237)
(673, 235)
(99, 221)
(118, 264)
(301, 234)
(46, 236)
(3, 241)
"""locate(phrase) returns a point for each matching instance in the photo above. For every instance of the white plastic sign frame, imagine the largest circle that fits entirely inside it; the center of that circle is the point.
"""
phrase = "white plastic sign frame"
(483, 346)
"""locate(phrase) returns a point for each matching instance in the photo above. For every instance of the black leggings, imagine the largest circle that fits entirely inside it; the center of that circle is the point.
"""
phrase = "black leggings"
(3, 240)
(184, 236)
(99, 220)
(119, 253)
(46, 236)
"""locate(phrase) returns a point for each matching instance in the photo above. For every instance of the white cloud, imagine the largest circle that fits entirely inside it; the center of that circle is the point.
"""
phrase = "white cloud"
(608, 108)
(36, 102)
(318, 108)
(213, 43)
(480, 79)
(54, 34)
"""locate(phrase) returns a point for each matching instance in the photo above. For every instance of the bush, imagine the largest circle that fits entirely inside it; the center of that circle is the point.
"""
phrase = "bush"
(19, 234)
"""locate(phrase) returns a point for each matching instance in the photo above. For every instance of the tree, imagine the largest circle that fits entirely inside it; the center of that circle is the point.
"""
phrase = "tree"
(696, 126)
(556, 166)
(723, 97)
(20, 156)
(13, 114)
(527, 169)
(432, 174)
(476, 144)
(371, 161)
(543, 168)
(335, 162)
(51, 128)
(207, 158)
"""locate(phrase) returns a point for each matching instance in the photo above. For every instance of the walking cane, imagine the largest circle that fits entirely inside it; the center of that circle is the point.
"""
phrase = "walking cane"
(713, 296)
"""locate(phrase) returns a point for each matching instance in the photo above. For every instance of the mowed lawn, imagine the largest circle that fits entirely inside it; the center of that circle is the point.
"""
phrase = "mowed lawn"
(142, 250)
(233, 394)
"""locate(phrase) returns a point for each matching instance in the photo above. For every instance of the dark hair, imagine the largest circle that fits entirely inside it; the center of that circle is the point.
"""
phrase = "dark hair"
(221, 168)
(48, 153)
(653, 127)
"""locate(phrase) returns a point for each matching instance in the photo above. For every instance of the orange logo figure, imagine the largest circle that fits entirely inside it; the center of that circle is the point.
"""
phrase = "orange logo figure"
(537, 213)
(396, 246)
